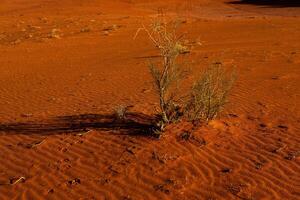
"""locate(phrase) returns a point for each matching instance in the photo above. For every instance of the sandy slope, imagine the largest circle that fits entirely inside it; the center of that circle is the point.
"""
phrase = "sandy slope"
(66, 64)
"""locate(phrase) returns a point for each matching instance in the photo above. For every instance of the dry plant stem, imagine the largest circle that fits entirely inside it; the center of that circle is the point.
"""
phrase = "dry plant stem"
(162, 90)
(166, 42)
(22, 178)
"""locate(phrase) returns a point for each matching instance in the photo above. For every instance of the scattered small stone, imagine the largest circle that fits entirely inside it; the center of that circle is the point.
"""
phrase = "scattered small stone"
(85, 30)
(258, 165)
(18, 41)
(252, 118)
(145, 90)
(166, 186)
(183, 21)
(106, 33)
(115, 171)
(197, 141)
(275, 77)
(233, 115)
(126, 197)
(161, 188)
(182, 49)
(276, 150)
(54, 34)
(74, 181)
(50, 191)
(186, 136)
(262, 125)
(261, 104)
(44, 19)
(129, 150)
(226, 170)
(282, 127)
(170, 181)
(111, 28)
(104, 181)
(115, 27)
(292, 155)
(161, 159)
(234, 189)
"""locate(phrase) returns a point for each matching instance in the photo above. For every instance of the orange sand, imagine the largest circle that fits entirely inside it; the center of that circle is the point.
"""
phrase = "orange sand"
(67, 63)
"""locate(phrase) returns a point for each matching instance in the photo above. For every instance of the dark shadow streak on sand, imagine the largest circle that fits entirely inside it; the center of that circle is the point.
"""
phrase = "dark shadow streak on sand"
(269, 3)
(133, 124)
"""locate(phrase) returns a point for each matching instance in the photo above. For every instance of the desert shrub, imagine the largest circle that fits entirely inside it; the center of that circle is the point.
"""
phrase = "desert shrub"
(167, 75)
(209, 93)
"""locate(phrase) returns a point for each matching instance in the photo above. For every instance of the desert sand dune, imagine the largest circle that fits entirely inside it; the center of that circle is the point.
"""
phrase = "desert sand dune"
(65, 65)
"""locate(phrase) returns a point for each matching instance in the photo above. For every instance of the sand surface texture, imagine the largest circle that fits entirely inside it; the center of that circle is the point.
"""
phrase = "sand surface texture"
(66, 64)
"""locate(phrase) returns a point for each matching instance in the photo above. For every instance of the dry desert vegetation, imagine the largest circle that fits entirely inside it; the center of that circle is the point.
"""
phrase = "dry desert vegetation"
(142, 100)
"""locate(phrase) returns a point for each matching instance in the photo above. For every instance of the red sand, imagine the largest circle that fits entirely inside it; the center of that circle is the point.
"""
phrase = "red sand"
(65, 58)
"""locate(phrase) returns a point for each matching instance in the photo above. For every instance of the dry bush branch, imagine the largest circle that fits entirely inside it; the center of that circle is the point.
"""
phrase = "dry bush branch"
(209, 93)
(167, 75)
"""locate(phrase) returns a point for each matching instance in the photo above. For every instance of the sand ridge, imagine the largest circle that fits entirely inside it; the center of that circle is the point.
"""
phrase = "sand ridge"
(65, 65)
